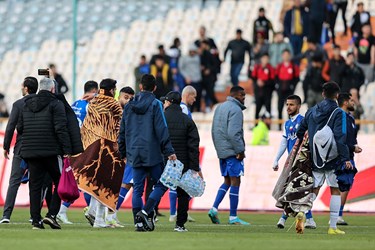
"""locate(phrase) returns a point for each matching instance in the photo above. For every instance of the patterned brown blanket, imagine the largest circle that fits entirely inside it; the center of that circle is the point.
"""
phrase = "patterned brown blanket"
(293, 190)
(99, 169)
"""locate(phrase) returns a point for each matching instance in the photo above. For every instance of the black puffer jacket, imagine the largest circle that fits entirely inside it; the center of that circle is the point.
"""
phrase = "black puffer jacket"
(43, 125)
(184, 137)
(73, 126)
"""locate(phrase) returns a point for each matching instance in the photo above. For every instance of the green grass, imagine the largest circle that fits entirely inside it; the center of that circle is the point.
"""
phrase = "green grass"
(262, 234)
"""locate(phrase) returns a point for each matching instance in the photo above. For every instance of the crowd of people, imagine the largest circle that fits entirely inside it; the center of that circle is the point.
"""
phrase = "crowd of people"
(115, 144)
(274, 64)
(135, 135)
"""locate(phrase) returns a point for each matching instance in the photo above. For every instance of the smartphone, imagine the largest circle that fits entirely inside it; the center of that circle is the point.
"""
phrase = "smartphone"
(43, 72)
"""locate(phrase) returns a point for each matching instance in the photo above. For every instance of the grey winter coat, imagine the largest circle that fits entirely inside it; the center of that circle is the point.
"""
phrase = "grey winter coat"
(227, 128)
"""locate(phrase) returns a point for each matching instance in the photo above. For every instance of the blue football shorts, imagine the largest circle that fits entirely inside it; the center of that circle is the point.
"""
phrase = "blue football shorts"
(231, 167)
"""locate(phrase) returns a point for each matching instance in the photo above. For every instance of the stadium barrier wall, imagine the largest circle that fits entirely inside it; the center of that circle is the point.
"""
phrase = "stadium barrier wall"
(257, 183)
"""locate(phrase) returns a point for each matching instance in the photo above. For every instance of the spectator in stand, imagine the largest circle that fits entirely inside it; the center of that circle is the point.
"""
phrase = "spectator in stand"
(333, 70)
(208, 75)
(313, 50)
(163, 74)
(341, 5)
(213, 48)
(264, 83)
(261, 47)
(277, 48)
(61, 87)
(317, 16)
(140, 70)
(296, 27)
(262, 26)
(360, 19)
(331, 14)
(162, 53)
(287, 77)
(238, 47)
(190, 68)
(365, 53)
(3, 107)
(174, 51)
(353, 79)
(314, 81)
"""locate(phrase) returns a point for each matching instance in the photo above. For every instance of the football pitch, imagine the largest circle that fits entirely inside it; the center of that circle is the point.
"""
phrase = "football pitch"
(262, 234)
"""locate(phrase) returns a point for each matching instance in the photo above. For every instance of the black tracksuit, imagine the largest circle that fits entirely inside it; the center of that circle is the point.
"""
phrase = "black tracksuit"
(185, 141)
(45, 137)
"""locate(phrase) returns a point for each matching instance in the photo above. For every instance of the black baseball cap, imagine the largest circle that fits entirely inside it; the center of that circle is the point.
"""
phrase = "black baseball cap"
(173, 97)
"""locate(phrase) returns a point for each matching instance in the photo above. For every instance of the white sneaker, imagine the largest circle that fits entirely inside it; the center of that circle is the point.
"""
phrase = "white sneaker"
(340, 221)
(180, 229)
(281, 223)
(111, 219)
(4, 221)
(190, 219)
(310, 223)
(63, 218)
(101, 224)
(173, 218)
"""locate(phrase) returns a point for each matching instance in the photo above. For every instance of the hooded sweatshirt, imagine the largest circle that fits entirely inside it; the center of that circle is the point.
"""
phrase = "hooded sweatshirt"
(316, 118)
(144, 137)
(44, 127)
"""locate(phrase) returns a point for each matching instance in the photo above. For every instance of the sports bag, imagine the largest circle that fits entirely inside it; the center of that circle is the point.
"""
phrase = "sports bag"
(68, 189)
(324, 144)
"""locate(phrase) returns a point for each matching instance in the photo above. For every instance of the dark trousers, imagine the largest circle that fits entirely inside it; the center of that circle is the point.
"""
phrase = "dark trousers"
(150, 183)
(208, 84)
(182, 207)
(47, 190)
(38, 168)
(315, 30)
(14, 183)
(197, 104)
(342, 7)
(139, 176)
(297, 42)
(235, 70)
(263, 97)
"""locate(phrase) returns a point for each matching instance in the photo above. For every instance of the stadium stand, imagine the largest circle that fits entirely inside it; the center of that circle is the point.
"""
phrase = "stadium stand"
(113, 34)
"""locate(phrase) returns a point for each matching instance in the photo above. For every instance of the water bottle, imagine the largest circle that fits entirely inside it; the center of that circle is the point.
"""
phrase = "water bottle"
(172, 174)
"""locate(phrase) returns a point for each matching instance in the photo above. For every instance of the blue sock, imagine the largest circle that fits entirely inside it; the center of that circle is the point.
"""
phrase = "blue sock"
(121, 197)
(220, 195)
(309, 215)
(87, 198)
(155, 196)
(67, 204)
(172, 201)
(341, 209)
(233, 197)
(284, 216)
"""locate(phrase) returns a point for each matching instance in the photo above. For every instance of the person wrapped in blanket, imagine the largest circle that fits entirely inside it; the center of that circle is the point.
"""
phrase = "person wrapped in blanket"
(345, 177)
(289, 138)
(293, 190)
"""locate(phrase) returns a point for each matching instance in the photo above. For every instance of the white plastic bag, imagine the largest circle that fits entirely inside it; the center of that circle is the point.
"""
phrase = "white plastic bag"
(192, 183)
(172, 174)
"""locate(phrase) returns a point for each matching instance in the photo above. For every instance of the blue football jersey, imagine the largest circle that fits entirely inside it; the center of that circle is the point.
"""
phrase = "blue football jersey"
(290, 131)
(80, 109)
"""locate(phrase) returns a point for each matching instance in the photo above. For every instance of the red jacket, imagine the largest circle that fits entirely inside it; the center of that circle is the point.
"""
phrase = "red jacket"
(265, 74)
(287, 71)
